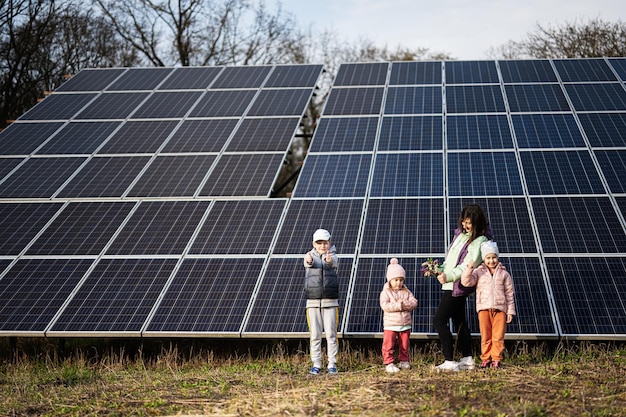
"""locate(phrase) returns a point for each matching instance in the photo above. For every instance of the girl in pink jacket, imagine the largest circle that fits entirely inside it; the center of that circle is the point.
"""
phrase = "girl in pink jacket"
(495, 302)
(397, 302)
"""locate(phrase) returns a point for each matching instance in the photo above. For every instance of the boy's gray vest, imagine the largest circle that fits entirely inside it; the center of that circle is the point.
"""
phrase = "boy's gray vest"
(321, 281)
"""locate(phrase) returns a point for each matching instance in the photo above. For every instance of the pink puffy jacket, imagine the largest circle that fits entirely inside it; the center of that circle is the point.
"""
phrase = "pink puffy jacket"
(492, 291)
(397, 306)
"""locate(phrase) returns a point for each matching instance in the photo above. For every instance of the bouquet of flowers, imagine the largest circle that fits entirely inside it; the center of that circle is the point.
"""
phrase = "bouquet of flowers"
(430, 268)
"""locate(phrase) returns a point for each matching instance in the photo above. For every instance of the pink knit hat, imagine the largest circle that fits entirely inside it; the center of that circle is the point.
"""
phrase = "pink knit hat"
(395, 270)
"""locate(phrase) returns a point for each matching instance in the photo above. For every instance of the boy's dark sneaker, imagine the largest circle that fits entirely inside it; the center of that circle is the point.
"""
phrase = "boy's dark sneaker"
(315, 370)
(485, 364)
(332, 370)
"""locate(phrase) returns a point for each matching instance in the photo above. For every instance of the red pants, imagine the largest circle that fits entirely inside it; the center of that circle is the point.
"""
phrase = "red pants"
(389, 342)
(492, 328)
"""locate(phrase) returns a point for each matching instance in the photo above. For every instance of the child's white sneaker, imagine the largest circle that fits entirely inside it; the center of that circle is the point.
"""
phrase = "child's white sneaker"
(404, 365)
(466, 363)
(391, 368)
(448, 366)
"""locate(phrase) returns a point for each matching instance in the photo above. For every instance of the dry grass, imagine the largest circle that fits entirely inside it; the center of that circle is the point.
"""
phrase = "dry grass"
(586, 379)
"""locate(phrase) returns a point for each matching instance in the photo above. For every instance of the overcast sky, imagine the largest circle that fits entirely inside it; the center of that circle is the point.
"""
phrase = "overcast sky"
(465, 29)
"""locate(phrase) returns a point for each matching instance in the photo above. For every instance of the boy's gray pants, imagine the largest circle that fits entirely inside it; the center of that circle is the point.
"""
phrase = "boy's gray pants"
(323, 319)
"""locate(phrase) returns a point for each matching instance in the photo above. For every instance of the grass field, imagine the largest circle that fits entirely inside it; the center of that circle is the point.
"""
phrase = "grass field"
(224, 378)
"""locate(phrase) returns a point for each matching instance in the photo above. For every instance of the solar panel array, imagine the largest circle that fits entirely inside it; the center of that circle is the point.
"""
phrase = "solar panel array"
(136, 202)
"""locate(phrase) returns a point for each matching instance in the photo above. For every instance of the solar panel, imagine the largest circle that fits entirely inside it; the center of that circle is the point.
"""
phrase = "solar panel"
(207, 296)
(560, 172)
(238, 227)
(474, 99)
(411, 133)
(345, 134)
(116, 297)
(138, 201)
(532, 130)
(158, 228)
(33, 291)
(24, 138)
(413, 100)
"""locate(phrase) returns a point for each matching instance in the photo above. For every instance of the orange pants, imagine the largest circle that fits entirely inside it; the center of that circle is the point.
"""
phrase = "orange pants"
(492, 328)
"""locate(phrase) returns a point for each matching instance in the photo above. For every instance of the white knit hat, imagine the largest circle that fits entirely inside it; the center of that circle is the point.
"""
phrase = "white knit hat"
(489, 247)
(395, 270)
(321, 234)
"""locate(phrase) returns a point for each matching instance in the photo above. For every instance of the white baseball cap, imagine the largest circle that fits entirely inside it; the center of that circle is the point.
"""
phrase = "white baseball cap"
(321, 234)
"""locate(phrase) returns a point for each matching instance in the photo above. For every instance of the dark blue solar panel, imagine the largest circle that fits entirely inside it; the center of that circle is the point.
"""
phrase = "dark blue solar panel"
(280, 102)
(604, 129)
(394, 226)
(242, 77)
(345, 134)
(81, 229)
(58, 107)
(294, 76)
(413, 100)
(116, 296)
(159, 228)
(619, 64)
(408, 175)
(583, 70)
(508, 218)
(167, 104)
(621, 204)
(365, 314)
(560, 172)
(33, 290)
(407, 73)
(172, 176)
(140, 79)
(20, 223)
(243, 175)
(104, 177)
(112, 106)
(613, 165)
(239, 227)
(7, 165)
(527, 71)
(597, 97)
(334, 176)
(24, 138)
(139, 137)
(589, 294)
(411, 133)
(39, 177)
(474, 99)
(354, 101)
(91, 79)
(263, 135)
(201, 136)
(478, 132)
(362, 74)
(78, 138)
(340, 217)
(547, 131)
(207, 295)
(190, 78)
(280, 303)
(600, 232)
(471, 72)
(482, 174)
(223, 104)
(536, 98)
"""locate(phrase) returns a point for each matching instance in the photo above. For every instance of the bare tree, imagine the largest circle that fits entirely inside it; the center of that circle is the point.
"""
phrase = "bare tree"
(577, 39)
(205, 32)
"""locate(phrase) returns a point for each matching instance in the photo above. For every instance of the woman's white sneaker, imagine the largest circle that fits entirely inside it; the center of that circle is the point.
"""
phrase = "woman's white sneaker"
(448, 366)
(466, 363)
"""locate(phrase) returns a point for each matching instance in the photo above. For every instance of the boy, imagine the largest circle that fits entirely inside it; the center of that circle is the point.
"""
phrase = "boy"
(322, 305)
(495, 302)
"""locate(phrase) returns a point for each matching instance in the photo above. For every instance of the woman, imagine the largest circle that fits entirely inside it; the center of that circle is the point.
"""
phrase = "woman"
(471, 233)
